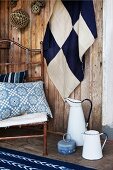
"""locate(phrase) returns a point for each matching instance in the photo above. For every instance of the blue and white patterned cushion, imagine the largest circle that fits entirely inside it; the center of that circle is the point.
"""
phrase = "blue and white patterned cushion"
(19, 98)
(14, 77)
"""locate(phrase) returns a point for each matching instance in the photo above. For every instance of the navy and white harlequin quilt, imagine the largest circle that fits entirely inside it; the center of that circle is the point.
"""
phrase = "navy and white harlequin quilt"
(70, 32)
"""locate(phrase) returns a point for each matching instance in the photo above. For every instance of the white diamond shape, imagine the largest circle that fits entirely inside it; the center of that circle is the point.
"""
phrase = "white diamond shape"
(60, 23)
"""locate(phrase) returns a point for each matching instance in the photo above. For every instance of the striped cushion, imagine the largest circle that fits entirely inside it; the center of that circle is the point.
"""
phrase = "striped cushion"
(14, 77)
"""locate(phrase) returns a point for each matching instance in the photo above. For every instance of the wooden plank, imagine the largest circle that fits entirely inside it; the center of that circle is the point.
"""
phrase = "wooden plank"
(25, 36)
(6, 19)
(51, 100)
(6, 52)
(86, 84)
(96, 55)
(0, 37)
(2, 31)
(58, 117)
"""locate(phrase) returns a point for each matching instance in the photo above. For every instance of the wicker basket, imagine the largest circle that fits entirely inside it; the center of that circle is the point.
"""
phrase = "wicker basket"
(13, 3)
(19, 18)
(37, 5)
(36, 9)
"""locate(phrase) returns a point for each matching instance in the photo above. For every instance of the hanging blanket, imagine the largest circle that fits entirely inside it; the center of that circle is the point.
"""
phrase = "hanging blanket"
(71, 30)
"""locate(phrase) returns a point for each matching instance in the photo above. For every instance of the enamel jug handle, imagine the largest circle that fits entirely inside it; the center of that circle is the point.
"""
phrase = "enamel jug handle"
(106, 138)
(89, 114)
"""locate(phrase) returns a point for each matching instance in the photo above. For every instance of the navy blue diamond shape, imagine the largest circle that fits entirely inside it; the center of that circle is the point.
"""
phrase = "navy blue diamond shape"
(71, 52)
(73, 8)
(50, 47)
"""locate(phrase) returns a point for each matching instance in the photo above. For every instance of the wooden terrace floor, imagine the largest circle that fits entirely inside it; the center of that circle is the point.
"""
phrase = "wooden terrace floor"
(34, 146)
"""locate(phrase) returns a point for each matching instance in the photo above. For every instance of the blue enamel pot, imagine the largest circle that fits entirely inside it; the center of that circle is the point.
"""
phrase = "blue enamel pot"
(66, 146)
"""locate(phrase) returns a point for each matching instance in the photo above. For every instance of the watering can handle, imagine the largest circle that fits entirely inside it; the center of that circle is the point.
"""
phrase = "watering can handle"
(89, 114)
(106, 138)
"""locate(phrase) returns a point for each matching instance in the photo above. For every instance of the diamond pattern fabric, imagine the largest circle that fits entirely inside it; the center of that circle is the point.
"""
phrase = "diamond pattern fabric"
(70, 32)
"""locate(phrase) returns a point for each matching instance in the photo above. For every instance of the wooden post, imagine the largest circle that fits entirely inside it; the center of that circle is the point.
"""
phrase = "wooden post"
(45, 139)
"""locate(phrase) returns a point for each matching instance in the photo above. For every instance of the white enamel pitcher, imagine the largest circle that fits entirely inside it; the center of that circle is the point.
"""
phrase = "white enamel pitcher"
(92, 149)
(76, 121)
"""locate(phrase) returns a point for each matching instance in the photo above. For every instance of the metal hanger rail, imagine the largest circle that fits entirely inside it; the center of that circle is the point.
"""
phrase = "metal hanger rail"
(21, 46)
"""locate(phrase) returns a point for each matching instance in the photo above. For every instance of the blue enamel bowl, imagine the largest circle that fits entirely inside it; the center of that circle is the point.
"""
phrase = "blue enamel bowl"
(66, 147)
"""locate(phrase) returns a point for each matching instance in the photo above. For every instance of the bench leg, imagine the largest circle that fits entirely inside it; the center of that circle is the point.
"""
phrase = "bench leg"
(45, 139)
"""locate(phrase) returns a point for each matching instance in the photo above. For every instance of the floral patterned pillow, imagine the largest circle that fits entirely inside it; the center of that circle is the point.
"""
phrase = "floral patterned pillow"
(20, 98)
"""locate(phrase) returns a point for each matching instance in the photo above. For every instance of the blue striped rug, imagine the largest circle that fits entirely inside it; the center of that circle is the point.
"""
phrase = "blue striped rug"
(15, 160)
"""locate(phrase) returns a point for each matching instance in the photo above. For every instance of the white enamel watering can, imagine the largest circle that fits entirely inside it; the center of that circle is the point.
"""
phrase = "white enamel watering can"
(92, 149)
(76, 121)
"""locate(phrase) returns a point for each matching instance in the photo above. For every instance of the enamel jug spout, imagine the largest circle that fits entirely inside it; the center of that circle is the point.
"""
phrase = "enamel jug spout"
(76, 120)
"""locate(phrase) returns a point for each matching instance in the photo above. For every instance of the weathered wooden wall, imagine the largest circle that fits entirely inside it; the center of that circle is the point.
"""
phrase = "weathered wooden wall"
(90, 88)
